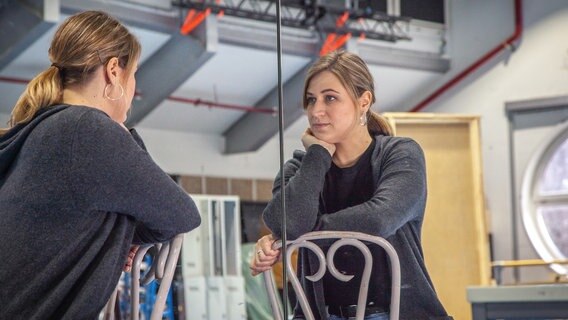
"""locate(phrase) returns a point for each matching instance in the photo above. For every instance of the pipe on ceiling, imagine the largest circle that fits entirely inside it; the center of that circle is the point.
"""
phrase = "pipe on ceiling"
(196, 102)
(509, 43)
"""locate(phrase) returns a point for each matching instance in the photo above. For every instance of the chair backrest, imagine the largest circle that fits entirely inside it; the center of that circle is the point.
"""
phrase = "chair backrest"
(164, 261)
(345, 238)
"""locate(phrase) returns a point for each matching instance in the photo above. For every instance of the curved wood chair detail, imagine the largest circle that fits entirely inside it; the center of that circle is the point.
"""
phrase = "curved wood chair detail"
(345, 238)
(164, 261)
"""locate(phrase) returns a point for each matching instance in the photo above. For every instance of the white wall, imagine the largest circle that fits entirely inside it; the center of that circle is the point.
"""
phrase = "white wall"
(199, 154)
(537, 69)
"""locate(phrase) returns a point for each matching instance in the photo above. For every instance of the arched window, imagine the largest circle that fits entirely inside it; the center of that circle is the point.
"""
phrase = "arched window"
(544, 199)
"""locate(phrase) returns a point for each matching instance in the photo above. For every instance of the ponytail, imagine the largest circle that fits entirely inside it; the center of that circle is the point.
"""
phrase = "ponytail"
(378, 125)
(43, 91)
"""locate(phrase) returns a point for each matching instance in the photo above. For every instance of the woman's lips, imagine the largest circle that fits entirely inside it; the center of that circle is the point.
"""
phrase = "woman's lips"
(319, 126)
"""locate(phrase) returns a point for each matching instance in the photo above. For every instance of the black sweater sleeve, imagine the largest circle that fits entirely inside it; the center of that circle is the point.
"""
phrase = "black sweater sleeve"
(112, 173)
(142, 234)
(303, 180)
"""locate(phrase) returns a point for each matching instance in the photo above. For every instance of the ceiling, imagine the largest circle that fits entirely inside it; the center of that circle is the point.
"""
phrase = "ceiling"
(240, 69)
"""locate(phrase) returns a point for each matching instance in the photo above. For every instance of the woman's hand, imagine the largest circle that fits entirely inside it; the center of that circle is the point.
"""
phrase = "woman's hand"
(309, 139)
(264, 256)
(131, 254)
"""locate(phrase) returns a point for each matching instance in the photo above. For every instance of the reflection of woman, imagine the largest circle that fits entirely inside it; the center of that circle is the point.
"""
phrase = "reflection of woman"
(76, 188)
(353, 176)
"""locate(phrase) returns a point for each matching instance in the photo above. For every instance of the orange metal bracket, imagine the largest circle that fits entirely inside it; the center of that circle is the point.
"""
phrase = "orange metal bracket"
(333, 43)
(192, 20)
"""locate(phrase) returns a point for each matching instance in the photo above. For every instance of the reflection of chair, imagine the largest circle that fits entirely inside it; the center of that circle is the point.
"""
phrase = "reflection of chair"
(165, 257)
(345, 238)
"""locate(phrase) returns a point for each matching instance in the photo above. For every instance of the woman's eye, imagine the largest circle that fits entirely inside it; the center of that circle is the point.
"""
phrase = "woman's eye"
(310, 100)
(330, 98)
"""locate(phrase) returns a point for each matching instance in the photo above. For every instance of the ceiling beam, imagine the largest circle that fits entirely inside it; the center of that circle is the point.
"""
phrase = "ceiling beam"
(22, 23)
(254, 129)
(170, 66)
(158, 18)
(425, 55)
(399, 58)
(262, 35)
(234, 31)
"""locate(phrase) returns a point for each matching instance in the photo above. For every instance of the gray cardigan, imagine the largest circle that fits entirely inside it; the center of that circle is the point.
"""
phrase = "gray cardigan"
(395, 212)
(75, 190)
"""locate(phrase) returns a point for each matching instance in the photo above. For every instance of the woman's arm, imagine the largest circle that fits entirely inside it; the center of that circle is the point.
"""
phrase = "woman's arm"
(303, 180)
(399, 197)
(110, 172)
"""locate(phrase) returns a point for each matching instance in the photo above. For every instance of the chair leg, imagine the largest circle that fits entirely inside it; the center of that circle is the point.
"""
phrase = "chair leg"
(110, 308)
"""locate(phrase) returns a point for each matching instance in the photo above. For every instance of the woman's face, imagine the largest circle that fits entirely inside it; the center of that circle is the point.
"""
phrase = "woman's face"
(331, 112)
(129, 88)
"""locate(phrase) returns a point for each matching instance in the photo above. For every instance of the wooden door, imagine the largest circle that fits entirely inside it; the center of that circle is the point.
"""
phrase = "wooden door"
(454, 234)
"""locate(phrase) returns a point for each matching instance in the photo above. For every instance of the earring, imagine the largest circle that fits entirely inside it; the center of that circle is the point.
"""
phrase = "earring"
(114, 99)
(363, 119)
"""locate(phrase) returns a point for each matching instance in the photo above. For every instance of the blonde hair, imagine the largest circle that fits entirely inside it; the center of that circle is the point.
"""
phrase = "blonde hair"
(355, 76)
(84, 42)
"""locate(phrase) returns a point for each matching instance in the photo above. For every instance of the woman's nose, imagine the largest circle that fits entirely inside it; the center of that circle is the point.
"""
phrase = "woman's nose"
(317, 108)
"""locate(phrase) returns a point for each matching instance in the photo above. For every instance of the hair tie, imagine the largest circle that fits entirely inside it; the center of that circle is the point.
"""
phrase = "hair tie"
(55, 65)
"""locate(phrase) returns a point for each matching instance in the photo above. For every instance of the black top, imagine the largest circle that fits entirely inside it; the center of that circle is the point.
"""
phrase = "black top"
(344, 188)
(75, 190)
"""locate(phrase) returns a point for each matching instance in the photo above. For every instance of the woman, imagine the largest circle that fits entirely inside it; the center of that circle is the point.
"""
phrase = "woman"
(353, 176)
(76, 188)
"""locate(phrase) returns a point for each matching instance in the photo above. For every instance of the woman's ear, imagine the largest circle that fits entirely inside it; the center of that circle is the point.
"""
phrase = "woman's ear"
(112, 70)
(365, 101)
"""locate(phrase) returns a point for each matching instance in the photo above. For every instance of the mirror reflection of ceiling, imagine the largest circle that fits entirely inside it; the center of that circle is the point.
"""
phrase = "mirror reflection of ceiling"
(221, 77)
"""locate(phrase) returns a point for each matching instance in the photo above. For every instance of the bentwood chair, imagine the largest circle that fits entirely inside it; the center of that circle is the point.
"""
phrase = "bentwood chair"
(164, 261)
(345, 238)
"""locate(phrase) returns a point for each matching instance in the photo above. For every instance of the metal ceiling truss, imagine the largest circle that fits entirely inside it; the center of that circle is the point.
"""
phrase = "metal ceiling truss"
(311, 15)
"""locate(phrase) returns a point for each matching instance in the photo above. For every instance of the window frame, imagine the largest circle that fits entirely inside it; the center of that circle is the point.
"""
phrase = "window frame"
(531, 199)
